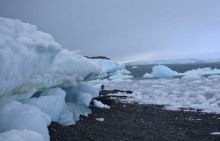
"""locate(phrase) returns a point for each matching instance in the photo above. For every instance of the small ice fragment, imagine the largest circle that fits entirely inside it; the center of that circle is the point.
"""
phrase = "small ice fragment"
(215, 133)
(100, 119)
(99, 104)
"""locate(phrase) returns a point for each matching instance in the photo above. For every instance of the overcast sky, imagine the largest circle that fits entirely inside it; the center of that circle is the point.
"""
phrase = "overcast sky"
(124, 30)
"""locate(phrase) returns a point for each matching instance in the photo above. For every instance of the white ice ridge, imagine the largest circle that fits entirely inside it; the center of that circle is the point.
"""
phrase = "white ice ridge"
(31, 61)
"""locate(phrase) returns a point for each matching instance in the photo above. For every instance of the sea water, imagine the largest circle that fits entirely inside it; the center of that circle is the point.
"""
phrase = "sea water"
(138, 73)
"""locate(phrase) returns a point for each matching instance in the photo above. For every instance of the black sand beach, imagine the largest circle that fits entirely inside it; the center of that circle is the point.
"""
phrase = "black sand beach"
(133, 122)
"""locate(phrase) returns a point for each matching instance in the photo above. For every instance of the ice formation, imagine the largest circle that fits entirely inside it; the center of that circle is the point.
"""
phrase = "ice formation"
(51, 102)
(214, 77)
(123, 71)
(36, 76)
(15, 115)
(100, 119)
(191, 77)
(203, 71)
(99, 104)
(162, 71)
(108, 65)
(147, 75)
(21, 135)
(120, 76)
(36, 62)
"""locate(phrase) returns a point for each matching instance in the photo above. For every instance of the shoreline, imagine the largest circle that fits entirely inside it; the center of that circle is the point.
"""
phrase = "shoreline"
(139, 122)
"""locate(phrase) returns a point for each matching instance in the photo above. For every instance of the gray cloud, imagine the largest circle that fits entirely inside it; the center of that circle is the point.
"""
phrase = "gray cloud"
(124, 30)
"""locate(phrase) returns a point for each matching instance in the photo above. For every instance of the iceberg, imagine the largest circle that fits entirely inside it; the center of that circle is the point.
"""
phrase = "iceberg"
(162, 71)
(40, 82)
(37, 62)
(147, 75)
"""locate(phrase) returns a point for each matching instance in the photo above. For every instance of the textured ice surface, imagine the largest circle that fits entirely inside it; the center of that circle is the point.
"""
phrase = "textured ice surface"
(214, 77)
(33, 61)
(162, 71)
(124, 71)
(203, 71)
(120, 76)
(108, 65)
(51, 102)
(199, 94)
(82, 88)
(191, 77)
(21, 135)
(147, 75)
(15, 115)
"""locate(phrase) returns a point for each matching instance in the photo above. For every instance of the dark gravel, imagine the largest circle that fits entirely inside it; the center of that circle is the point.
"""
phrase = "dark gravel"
(134, 122)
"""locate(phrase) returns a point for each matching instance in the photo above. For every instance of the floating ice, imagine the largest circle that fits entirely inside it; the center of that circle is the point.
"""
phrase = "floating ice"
(147, 75)
(124, 71)
(201, 94)
(214, 77)
(99, 104)
(191, 77)
(21, 135)
(120, 76)
(162, 71)
(203, 71)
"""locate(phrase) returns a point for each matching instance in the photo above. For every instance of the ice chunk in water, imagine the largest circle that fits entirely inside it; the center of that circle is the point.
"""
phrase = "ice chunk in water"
(162, 71)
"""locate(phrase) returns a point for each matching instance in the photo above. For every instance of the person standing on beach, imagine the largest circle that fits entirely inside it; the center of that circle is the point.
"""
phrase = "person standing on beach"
(102, 87)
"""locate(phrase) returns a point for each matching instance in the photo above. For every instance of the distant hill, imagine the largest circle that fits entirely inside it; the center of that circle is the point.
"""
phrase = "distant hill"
(182, 59)
(98, 57)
